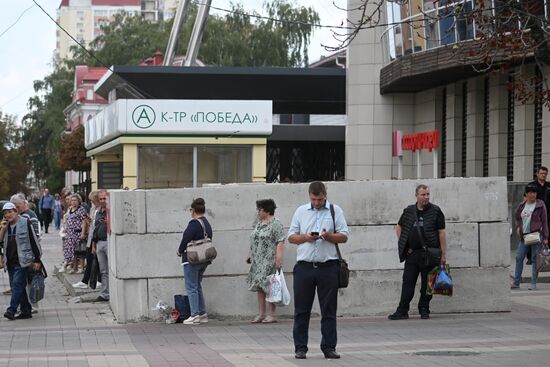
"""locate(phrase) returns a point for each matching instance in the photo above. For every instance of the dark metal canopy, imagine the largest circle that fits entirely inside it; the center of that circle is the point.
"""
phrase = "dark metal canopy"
(308, 133)
(293, 90)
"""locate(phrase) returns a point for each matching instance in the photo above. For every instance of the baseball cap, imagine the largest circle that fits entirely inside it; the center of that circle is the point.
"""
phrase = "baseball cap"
(8, 206)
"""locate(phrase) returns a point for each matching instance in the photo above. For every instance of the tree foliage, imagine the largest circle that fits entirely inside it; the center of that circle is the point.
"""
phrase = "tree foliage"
(236, 39)
(13, 170)
(72, 154)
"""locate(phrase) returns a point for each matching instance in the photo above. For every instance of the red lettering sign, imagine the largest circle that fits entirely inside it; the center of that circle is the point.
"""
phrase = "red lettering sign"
(427, 140)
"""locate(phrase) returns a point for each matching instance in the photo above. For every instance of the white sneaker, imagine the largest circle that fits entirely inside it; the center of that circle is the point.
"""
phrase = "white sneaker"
(62, 269)
(203, 319)
(80, 285)
(192, 320)
(98, 285)
(532, 287)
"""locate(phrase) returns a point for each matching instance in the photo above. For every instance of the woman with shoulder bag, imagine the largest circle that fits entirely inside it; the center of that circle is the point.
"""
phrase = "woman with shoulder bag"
(75, 232)
(532, 229)
(193, 273)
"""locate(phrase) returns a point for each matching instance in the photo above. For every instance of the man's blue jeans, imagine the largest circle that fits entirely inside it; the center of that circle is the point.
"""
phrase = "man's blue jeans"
(18, 281)
(520, 256)
(193, 278)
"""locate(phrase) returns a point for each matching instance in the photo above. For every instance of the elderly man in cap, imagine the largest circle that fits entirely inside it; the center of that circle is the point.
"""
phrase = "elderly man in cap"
(20, 251)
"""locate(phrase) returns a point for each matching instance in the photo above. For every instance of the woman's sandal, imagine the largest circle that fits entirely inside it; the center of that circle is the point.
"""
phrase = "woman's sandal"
(269, 319)
(258, 319)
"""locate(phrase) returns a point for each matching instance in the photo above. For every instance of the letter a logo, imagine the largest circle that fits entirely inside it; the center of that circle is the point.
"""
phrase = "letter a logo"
(143, 116)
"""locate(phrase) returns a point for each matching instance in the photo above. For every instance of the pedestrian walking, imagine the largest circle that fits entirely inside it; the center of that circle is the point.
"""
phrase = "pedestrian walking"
(542, 194)
(20, 252)
(266, 255)
(100, 246)
(57, 212)
(193, 273)
(531, 217)
(315, 232)
(422, 245)
(46, 205)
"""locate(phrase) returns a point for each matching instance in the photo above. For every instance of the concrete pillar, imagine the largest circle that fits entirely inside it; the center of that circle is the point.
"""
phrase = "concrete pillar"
(524, 125)
(546, 126)
(371, 117)
(130, 166)
(259, 159)
(474, 132)
(454, 130)
(93, 173)
(498, 125)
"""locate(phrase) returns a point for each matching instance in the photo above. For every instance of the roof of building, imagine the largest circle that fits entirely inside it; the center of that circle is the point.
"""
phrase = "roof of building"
(337, 59)
(292, 90)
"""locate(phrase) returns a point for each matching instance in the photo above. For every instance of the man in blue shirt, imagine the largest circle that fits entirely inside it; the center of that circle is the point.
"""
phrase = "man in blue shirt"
(313, 231)
(45, 206)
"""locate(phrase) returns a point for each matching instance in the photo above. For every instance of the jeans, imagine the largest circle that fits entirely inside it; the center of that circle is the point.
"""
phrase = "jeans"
(46, 218)
(102, 250)
(193, 277)
(57, 219)
(18, 281)
(415, 264)
(307, 279)
(520, 256)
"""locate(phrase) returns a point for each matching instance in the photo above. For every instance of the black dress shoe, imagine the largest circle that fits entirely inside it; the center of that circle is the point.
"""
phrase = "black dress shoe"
(23, 316)
(8, 315)
(398, 316)
(300, 354)
(424, 316)
(331, 354)
(101, 299)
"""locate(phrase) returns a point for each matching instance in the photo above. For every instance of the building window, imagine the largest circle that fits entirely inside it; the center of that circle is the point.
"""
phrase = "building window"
(293, 119)
(464, 128)
(537, 144)
(109, 175)
(444, 134)
(167, 166)
(510, 147)
(486, 128)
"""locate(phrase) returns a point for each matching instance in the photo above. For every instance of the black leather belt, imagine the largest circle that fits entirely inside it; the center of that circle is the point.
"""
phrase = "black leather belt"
(318, 265)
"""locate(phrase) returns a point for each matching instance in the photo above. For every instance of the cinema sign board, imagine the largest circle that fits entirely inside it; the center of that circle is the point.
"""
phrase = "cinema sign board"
(428, 140)
(180, 118)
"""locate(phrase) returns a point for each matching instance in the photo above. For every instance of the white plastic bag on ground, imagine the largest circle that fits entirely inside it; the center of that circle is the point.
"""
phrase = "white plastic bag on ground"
(277, 290)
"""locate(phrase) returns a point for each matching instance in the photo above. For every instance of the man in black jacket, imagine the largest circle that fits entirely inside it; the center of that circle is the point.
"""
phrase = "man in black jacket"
(422, 245)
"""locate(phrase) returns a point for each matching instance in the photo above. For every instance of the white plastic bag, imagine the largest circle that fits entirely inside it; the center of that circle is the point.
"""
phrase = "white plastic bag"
(277, 290)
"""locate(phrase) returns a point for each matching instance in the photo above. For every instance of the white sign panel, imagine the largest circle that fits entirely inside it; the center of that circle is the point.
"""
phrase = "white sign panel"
(179, 117)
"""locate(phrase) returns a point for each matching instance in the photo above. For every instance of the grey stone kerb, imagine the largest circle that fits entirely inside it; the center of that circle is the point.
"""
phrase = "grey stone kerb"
(147, 225)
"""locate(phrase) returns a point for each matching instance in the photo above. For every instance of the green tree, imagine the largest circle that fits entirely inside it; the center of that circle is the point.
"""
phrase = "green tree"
(13, 171)
(236, 39)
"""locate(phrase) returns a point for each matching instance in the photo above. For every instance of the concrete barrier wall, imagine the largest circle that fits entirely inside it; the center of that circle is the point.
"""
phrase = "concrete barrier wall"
(146, 228)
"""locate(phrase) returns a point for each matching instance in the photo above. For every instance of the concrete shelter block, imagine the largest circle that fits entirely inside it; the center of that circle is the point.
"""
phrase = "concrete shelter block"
(494, 243)
(127, 211)
(128, 297)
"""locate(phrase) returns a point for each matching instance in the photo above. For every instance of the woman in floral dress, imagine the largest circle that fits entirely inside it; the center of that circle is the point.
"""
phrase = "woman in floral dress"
(74, 226)
(266, 255)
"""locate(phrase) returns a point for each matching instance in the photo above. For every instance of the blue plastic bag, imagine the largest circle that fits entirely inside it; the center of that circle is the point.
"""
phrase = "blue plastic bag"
(443, 280)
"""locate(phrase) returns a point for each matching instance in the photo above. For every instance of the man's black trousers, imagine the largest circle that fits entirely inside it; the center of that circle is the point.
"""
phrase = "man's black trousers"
(308, 278)
(415, 264)
(46, 218)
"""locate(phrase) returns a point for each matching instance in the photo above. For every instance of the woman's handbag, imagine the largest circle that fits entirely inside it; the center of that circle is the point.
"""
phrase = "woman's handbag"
(201, 251)
(531, 238)
(343, 270)
(81, 247)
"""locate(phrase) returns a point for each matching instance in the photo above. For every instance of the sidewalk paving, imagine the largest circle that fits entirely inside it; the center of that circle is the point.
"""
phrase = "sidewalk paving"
(86, 334)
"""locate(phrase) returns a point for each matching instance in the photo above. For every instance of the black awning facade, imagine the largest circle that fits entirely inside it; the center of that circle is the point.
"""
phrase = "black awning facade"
(316, 91)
